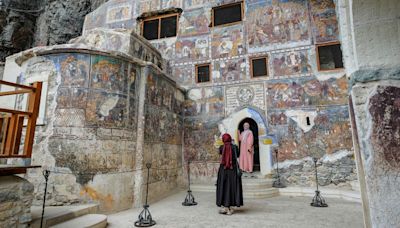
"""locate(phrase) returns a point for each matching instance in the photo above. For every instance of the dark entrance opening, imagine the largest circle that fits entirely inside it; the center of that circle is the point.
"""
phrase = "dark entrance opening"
(254, 129)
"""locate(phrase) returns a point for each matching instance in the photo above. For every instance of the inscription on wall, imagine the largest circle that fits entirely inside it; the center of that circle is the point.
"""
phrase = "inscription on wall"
(244, 95)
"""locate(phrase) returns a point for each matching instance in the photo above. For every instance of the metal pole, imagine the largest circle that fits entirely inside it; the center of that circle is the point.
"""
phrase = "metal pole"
(316, 172)
(277, 183)
(46, 174)
(189, 199)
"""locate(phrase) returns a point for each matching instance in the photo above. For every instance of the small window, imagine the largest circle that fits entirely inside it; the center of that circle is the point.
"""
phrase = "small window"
(259, 67)
(160, 27)
(227, 14)
(203, 73)
(329, 56)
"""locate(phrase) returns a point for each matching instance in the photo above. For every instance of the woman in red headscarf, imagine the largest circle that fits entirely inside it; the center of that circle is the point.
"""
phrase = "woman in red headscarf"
(229, 183)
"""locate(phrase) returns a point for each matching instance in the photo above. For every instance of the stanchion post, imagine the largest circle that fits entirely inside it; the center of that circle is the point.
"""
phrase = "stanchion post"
(277, 183)
(145, 218)
(189, 200)
(318, 200)
(46, 174)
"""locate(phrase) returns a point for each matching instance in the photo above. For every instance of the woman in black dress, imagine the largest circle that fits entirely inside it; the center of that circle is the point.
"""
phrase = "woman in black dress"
(229, 183)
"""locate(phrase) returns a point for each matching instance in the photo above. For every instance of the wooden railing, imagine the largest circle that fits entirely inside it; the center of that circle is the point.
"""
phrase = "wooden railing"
(12, 122)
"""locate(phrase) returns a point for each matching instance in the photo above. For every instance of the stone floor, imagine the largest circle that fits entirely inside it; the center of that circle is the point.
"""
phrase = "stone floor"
(279, 212)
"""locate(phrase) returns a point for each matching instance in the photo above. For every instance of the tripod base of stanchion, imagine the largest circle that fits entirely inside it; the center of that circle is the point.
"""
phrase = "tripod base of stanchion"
(318, 200)
(278, 184)
(189, 200)
(145, 219)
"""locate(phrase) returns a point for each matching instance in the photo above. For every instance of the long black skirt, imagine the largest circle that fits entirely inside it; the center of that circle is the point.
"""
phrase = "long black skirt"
(229, 188)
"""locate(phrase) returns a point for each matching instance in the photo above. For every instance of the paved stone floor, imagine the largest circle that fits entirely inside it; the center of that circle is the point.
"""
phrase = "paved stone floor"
(280, 211)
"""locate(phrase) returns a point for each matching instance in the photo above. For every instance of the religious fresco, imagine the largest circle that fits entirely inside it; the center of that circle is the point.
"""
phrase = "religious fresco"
(171, 3)
(205, 101)
(132, 118)
(309, 91)
(191, 4)
(228, 41)
(160, 92)
(120, 12)
(290, 63)
(229, 71)
(145, 6)
(106, 109)
(166, 47)
(277, 117)
(96, 18)
(330, 133)
(72, 97)
(276, 22)
(109, 74)
(184, 75)
(74, 69)
(199, 139)
(194, 22)
(325, 24)
(192, 49)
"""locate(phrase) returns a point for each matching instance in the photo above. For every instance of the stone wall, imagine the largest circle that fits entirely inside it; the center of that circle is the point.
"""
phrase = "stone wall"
(89, 134)
(163, 130)
(96, 101)
(16, 195)
(24, 24)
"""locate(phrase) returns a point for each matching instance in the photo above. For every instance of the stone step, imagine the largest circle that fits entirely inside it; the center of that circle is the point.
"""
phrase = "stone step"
(248, 192)
(85, 221)
(266, 193)
(58, 214)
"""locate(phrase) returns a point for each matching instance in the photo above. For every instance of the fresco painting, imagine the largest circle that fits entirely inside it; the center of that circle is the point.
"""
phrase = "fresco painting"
(108, 74)
(325, 24)
(228, 41)
(291, 63)
(276, 22)
(194, 22)
(72, 97)
(205, 101)
(184, 74)
(200, 130)
(74, 69)
(148, 6)
(120, 12)
(106, 109)
(166, 47)
(277, 117)
(226, 71)
(302, 92)
(331, 133)
(192, 49)
(191, 4)
(171, 3)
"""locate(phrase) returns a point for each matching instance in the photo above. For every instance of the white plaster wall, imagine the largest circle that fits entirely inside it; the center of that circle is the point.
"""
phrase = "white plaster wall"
(377, 32)
(11, 71)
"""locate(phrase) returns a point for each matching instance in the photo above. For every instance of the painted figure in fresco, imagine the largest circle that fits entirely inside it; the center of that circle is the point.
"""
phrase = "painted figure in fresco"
(246, 149)
(229, 182)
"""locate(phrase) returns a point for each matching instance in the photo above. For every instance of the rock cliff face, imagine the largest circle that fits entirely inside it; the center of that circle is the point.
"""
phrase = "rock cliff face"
(24, 24)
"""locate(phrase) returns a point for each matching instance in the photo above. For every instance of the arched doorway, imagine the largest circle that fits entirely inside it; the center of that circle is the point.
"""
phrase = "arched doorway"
(254, 129)
(231, 124)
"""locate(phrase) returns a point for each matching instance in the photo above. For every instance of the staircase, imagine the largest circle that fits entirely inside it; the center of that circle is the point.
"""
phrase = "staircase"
(69, 216)
(254, 187)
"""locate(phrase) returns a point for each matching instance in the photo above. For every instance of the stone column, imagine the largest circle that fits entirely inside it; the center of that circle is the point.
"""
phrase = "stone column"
(376, 101)
(16, 195)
